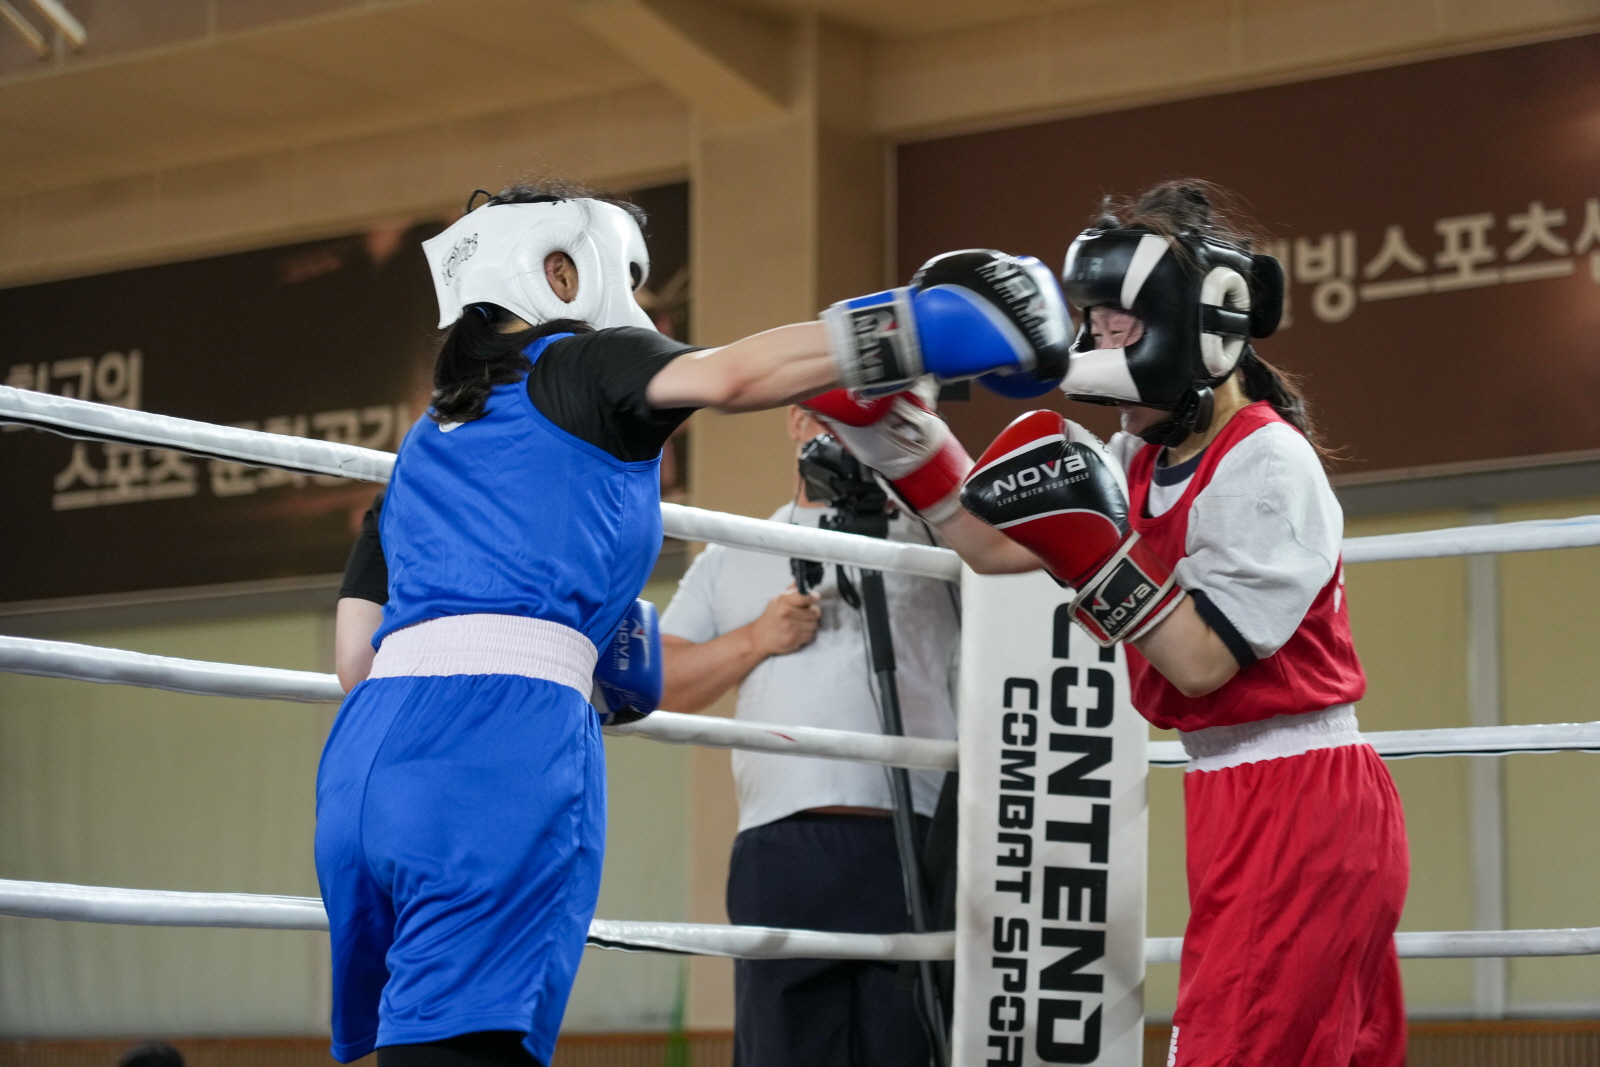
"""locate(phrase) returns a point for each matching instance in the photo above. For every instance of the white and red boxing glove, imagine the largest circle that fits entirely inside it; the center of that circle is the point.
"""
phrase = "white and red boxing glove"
(1049, 485)
(898, 437)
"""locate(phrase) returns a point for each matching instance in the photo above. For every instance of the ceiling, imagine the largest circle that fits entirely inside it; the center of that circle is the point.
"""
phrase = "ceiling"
(300, 81)
(166, 83)
(908, 18)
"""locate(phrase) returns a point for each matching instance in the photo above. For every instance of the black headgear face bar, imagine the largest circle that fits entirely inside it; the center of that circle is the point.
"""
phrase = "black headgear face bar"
(1198, 302)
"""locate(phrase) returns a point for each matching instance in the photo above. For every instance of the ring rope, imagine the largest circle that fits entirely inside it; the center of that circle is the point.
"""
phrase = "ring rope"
(1534, 535)
(1529, 739)
(115, 666)
(91, 421)
(824, 546)
(84, 419)
(88, 663)
(160, 907)
(1447, 944)
(713, 731)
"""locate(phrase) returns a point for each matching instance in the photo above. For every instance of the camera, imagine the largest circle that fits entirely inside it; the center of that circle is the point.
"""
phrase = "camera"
(834, 477)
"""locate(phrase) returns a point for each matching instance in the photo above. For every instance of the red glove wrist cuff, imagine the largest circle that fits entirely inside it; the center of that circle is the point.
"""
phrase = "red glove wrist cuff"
(1128, 596)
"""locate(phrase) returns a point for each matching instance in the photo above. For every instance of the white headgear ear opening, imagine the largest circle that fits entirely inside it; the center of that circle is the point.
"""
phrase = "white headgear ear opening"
(1226, 288)
(564, 231)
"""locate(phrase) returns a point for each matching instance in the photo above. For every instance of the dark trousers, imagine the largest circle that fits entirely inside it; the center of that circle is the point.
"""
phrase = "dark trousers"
(821, 872)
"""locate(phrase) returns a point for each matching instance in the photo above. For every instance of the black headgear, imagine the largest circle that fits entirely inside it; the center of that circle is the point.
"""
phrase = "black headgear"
(1199, 300)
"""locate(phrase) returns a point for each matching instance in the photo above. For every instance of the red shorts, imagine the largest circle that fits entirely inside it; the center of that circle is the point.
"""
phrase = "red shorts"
(1297, 874)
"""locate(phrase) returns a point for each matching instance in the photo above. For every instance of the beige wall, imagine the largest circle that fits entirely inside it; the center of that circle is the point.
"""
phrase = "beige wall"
(115, 786)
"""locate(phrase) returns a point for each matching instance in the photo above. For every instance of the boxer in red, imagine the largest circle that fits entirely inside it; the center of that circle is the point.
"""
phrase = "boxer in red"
(1207, 537)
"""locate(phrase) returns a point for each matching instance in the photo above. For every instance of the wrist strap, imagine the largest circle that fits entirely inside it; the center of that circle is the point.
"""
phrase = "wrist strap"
(1126, 597)
(874, 340)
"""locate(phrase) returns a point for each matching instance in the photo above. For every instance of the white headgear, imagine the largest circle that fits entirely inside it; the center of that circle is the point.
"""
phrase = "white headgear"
(495, 255)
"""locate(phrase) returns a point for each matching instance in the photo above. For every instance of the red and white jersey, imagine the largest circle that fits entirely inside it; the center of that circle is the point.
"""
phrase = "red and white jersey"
(1252, 530)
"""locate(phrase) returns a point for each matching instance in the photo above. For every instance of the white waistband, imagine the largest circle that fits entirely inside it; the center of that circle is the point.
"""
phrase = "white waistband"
(489, 644)
(1217, 747)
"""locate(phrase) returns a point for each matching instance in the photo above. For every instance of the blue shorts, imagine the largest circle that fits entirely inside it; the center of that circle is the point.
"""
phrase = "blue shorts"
(460, 831)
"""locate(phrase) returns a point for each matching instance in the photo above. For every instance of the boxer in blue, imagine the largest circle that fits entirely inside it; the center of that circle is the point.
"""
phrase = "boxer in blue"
(461, 796)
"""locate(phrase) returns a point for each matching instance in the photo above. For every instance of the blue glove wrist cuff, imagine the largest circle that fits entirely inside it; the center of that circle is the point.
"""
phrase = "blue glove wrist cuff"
(874, 339)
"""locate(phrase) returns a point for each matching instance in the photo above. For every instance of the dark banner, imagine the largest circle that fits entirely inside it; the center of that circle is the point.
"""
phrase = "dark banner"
(329, 339)
(1440, 222)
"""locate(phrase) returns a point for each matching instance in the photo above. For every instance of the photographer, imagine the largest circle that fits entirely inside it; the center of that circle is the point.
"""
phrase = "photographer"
(816, 846)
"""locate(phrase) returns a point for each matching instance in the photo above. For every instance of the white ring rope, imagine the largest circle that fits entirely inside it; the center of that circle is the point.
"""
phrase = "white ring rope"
(824, 546)
(77, 418)
(1532, 536)
(89, 421)
(159, 907)
(82, 418)
(90, 663)
(712, 731)
(1447, 944)
(1452, 741)
(768, 943)
(162, 907)
(102, 422)
(87, 663)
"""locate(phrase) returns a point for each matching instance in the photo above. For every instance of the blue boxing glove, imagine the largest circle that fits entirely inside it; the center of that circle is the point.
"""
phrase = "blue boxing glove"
(628, 672)
(1018, 384)
(964, 314)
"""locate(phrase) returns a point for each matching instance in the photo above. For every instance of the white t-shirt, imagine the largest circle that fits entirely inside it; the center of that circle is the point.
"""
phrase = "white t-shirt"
(1264, 534)
(828, 683)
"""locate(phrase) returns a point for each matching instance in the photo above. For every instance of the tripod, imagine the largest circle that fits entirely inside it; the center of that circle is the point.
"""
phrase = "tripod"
(861, 507)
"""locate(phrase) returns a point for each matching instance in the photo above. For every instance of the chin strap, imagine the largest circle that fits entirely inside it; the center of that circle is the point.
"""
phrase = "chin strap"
(1191, 416)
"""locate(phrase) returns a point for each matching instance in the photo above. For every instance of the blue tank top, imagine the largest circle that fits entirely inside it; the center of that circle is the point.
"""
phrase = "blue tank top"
(512, 515)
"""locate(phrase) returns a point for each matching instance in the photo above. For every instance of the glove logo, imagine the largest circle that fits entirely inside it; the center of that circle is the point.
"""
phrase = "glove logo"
(1071, 463)
(1024, 298)
(877, 340)
(1121, 600)
(637, 633)
(630, 631)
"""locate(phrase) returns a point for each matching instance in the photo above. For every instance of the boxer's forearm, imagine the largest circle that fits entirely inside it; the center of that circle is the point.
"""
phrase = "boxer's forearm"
(1187, 652)
(766, 370)
(985, 549)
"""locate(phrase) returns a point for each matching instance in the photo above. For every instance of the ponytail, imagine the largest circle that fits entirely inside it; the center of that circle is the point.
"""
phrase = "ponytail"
(476, 356)
(1262, 381)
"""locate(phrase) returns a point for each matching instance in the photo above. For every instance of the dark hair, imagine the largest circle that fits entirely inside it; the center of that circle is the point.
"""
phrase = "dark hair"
(151, 1054)
(1193, 207)
(475, 354)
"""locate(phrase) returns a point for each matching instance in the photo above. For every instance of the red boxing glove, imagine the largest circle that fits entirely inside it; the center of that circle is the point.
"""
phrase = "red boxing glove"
(898, 437)
(1049, 485)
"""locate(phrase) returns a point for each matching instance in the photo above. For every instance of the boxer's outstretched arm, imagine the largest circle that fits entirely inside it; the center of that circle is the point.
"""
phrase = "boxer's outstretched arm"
(766, 370)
